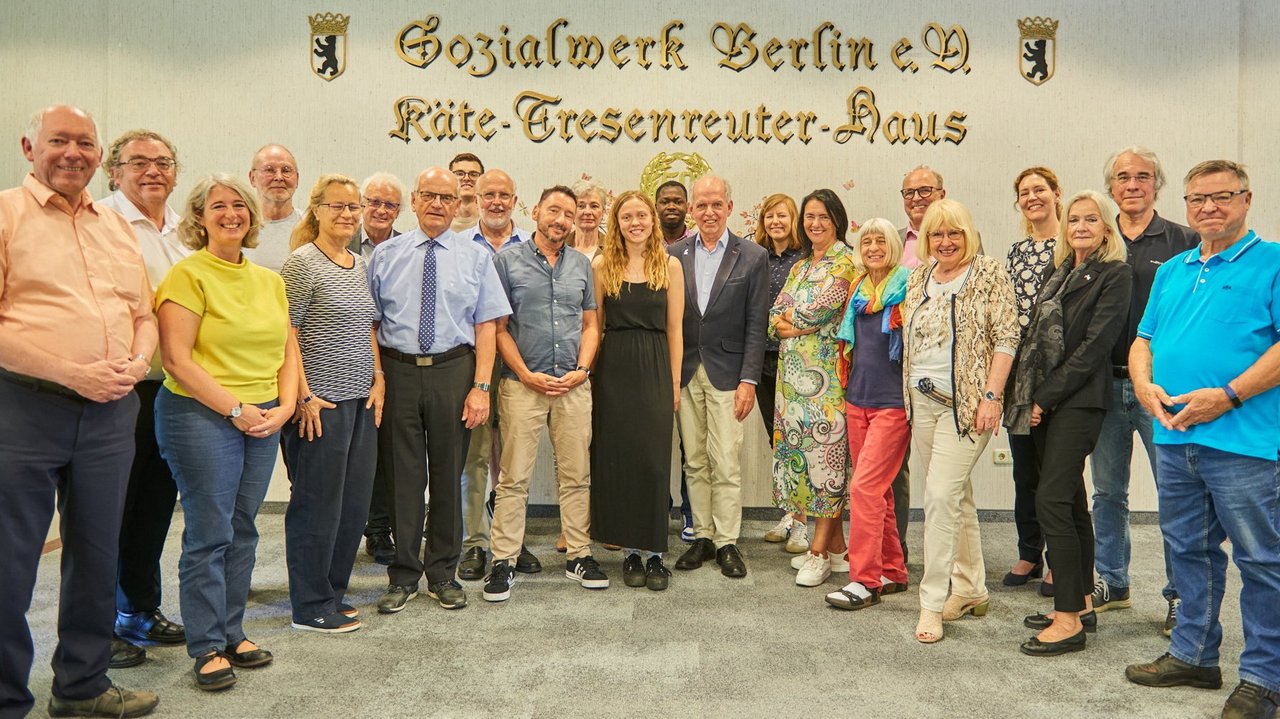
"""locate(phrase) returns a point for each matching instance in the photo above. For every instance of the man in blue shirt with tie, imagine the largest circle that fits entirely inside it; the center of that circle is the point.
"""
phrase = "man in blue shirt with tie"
(437, 298)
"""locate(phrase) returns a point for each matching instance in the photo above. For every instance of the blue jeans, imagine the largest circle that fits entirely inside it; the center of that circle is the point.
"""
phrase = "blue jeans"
(1208, 496)
(222, 476)
(1110, 466)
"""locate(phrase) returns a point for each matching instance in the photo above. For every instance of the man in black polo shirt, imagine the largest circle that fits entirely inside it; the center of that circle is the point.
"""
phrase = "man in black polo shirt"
(1134, 178)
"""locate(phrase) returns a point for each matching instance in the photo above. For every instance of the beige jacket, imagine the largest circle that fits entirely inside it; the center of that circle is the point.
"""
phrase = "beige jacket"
(984, 319)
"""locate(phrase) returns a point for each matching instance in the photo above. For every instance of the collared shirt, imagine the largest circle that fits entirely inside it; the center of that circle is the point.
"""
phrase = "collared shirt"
(1160, 241)
(366, 245)
(71, 284)
(467, 291)
(779, 267)
(517, 235)
(1208, 321)
(706, 263)
(273, 242)
(909, 259)
(161, 249)
(547, 305)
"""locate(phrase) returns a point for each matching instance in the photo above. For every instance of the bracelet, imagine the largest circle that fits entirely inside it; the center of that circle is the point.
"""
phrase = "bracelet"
(1236, 402)
(140, 356)
(378, 372)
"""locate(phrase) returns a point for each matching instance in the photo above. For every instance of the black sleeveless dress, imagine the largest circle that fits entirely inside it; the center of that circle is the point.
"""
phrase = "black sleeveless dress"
(632, 421)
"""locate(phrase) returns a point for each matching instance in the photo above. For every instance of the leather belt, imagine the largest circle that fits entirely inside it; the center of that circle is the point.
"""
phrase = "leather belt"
(426, 360)
(926, 388)
(41, 385)
(1119, 372)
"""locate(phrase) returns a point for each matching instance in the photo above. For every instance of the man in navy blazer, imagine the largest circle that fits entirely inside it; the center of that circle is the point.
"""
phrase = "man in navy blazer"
(725, 317)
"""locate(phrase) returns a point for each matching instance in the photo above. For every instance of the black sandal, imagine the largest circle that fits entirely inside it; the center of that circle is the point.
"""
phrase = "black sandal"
(849, 600)
(248, 660)
(215, 680)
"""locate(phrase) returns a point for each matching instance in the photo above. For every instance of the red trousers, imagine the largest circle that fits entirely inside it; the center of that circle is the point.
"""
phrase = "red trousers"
(878, 440)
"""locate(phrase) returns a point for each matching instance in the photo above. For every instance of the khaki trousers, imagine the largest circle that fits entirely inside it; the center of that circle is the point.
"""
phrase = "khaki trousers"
(568, 420)
(952, 543)
(713, 445)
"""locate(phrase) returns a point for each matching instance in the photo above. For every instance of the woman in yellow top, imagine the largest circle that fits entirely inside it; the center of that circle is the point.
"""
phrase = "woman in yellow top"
(229, 387)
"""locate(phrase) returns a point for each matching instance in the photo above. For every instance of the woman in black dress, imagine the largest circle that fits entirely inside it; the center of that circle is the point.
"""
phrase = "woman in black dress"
(640, 290)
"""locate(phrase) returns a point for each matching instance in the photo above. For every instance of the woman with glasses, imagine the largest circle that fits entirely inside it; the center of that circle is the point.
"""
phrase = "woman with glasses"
(1039, 200)
(1059, 396)
(811, 452)
(230, 385)
(961, 335)
(333, 452)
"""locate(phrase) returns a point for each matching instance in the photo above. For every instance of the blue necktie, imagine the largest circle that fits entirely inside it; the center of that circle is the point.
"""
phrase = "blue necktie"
(427, 319)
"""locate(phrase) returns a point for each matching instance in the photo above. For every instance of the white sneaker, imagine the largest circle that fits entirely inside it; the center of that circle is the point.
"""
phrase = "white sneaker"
(780, 531)
(799, 540)
(799, 560)
(839, 562)
(815, 571)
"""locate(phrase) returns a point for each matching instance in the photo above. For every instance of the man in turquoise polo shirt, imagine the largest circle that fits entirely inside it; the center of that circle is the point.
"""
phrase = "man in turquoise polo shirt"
(1206, 364)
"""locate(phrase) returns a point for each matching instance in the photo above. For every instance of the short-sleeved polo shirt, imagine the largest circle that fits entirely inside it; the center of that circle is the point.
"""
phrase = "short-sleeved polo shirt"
(1208, 321)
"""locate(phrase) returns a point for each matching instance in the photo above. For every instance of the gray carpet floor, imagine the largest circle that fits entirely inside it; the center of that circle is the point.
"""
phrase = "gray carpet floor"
(707, 647)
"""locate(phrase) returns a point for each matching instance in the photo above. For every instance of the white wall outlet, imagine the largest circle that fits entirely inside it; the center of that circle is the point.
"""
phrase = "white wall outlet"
(1001, 456)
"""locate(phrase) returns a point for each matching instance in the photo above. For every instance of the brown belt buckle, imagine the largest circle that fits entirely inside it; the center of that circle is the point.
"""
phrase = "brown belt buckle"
(424, 361)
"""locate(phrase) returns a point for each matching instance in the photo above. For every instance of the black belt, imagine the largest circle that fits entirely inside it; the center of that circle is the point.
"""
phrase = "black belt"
(426, 360)
(1119, 372)
(41, 385)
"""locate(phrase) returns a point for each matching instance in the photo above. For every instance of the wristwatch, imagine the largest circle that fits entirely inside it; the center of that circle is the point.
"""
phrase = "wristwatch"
(990, 396)
(235, 412)
(580, 368)
(482, 386)
(1236, 402)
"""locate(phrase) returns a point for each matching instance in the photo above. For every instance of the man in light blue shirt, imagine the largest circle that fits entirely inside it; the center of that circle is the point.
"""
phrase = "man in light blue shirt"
(437, 297)
(1206, 364)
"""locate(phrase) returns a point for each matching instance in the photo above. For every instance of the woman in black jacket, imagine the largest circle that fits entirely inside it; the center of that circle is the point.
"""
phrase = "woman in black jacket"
(1060, 394)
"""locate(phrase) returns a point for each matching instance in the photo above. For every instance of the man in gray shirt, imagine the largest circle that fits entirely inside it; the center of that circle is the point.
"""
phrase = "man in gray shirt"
(547, 345)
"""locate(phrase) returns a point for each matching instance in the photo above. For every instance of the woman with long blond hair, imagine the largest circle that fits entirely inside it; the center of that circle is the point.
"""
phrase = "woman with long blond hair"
(332, 452)
(640, 291)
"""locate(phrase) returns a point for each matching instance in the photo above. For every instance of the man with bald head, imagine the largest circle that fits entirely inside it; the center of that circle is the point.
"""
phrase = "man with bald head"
(920, 188)
(725, 317)
(67, 410)
(437, 297)
(275, 176)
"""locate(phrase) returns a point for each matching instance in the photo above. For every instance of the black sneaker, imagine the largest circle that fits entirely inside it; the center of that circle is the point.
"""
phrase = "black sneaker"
(1107, 597)
(380, 547)
(586, 572)
(1169, 671)
(124, 654)
(497, 588)
(449, 594)
(335, 623)
(526, 563)
(633, 571)
(1250, 701)
(656, 575)
(1171, 618)
(396, 596)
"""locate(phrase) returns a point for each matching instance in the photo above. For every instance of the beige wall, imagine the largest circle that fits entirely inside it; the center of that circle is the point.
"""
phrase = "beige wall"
(222, 79)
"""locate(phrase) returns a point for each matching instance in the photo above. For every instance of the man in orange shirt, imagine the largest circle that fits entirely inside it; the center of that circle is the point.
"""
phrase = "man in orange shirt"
(76, 335)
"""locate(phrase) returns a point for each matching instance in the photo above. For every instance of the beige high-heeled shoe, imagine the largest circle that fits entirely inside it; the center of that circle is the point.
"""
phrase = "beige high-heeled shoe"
(957, 606)
(561, 545)
(929, 628)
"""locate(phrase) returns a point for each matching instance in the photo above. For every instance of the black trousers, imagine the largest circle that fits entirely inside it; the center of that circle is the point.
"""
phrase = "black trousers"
(426, 400)
(1063, 440)
(766, 392)
(1026, 478)
(148, 509)
(379, 520)
(75, 453)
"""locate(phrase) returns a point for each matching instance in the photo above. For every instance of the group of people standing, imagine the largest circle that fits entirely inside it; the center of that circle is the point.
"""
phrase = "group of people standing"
(379, 361)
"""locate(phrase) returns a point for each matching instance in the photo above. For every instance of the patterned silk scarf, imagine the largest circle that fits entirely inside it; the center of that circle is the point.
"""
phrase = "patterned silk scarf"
(867, 299)
(1043, 349)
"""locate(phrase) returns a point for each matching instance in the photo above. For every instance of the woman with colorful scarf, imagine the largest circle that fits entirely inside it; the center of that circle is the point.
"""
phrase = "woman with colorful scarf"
(871, 372)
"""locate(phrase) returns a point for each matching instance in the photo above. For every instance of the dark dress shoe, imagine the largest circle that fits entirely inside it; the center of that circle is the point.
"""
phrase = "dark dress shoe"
(633, 574)
(1041, 621)
(473, 564)
(526, 563)
(114, 702)
(731, 564)
(248, 659)
(1169, 671)
(700, 551)
(656, 576)
(1018, 580)
(1036, 648)
(381, 547)
(1250, 701)
(1046, 589)
(124, 654)
(149, 627)
(215, 680)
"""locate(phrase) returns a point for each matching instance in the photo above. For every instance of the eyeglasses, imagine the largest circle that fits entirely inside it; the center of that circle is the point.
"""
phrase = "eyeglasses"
(491, 196)
(466, 175)
(140, 164)
(1142, 178)
(430, 197)
(923, 193)
(953, 235)
(817, 219)
(382, 205)
(1219, 199)
(282, 170)
(338, 207)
